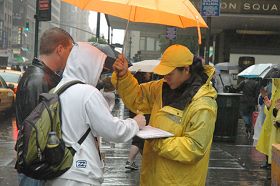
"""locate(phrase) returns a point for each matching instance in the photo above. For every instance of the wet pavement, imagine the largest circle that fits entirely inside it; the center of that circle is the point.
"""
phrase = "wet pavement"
(230, 163)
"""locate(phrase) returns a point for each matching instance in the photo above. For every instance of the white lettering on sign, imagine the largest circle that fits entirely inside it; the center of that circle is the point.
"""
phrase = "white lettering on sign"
(260, 7)
(274, 7)
(231, 6)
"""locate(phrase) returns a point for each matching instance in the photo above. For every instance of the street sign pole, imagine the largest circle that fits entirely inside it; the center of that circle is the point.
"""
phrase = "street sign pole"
(209, 8)
(36, 29)
(43, 13)
(207, 43)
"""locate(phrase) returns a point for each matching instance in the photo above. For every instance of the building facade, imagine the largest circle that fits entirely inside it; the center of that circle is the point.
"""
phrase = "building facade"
(246, 28)
(22, 24)
(23, 31)
(142, 45)
(6, 13)
(6, 7)
(75, 21)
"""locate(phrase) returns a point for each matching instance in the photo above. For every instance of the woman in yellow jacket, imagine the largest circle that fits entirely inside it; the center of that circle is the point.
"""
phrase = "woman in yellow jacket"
(269, 134)
(183, 103)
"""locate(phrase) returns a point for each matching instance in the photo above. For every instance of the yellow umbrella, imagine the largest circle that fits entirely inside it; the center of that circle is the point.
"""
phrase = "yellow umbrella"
(178, 13)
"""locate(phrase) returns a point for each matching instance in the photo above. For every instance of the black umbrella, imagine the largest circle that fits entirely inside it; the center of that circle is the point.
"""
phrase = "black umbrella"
(107, 49)
(111, 53)
(111, 56)
(273, 72)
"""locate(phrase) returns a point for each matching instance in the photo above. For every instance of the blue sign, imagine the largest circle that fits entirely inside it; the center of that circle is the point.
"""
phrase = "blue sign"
(210, 8)
(171, 33)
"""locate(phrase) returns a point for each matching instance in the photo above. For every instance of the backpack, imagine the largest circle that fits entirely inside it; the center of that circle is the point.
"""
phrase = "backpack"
(41, 152)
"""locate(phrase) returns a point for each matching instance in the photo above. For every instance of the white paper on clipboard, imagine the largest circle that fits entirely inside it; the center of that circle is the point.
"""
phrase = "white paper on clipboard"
(149, 132)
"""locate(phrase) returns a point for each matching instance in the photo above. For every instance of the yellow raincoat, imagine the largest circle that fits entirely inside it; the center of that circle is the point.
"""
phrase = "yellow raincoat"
(270, 134)
(183, 159)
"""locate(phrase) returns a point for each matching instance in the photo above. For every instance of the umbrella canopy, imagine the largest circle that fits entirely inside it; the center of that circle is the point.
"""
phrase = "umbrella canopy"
(178, 13)
(107, 49)
(273, 72)
(144, 66)
(255, 71)
(226, 66)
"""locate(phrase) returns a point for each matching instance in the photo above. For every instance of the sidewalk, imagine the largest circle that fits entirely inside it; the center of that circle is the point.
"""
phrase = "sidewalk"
(230, 164)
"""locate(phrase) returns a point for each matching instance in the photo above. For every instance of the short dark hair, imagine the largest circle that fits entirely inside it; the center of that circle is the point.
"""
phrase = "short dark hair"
(53, 37)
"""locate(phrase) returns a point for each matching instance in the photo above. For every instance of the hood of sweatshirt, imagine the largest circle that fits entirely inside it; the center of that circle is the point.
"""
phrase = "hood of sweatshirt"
(85, 63)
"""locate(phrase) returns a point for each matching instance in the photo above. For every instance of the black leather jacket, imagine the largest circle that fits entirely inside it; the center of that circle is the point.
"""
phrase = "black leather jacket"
(37, 79)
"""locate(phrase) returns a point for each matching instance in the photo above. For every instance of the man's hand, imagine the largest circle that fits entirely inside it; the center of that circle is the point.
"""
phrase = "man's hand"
(120, 66)
(141, 121)
(277, 104)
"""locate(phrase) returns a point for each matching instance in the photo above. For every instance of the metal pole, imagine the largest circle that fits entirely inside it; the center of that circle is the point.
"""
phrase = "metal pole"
(36, 29)
(112, 35)
(130, 42)
(109, 34)
(207, 44)
(98, 26)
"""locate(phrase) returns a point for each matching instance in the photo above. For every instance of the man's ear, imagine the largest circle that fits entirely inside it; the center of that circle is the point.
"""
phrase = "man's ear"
(59, 49)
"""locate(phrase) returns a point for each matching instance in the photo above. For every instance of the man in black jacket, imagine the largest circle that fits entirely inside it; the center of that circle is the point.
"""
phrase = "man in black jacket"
(248, 101)
(40, 77)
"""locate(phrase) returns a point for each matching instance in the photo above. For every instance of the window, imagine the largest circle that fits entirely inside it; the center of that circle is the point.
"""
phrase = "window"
(157, 45)
(142, 43)
(150, 44)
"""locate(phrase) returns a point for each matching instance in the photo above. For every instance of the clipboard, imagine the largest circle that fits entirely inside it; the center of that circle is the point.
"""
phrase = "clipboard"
(149, 132)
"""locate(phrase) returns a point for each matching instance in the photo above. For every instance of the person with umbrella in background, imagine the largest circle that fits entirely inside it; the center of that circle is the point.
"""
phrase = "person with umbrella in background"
(270, 132)
(263, 99)
(248, 102)
(183, 103)
(270, 129)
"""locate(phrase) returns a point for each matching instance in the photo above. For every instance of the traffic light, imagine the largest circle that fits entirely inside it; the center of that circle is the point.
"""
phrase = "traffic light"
(26, 28)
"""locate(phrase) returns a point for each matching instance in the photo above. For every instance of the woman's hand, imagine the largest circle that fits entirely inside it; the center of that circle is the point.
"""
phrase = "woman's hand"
(121, 66)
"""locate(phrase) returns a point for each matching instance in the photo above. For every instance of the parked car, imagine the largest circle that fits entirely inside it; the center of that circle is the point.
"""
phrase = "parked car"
(11, 77)
(6, 96)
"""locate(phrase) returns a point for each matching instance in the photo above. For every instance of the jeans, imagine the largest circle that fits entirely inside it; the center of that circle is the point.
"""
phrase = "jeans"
(247, 119)
(23, 180)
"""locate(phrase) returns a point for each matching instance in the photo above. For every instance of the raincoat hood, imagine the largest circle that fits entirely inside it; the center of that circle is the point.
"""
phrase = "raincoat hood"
(207, 89)
(85, 63)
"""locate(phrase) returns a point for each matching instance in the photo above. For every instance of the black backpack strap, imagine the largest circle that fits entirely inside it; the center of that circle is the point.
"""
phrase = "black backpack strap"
(67, 85)
(82, 139)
